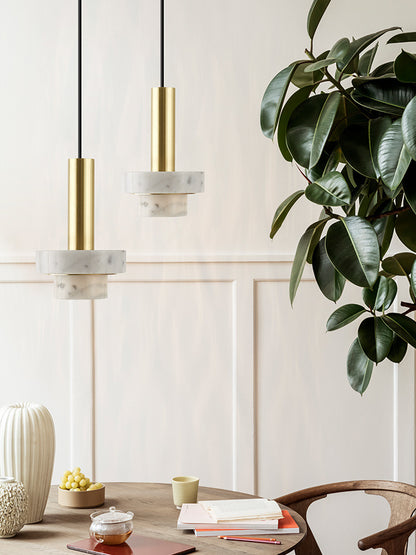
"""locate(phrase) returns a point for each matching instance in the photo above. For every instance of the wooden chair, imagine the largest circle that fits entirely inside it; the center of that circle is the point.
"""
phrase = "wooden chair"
(393, 540)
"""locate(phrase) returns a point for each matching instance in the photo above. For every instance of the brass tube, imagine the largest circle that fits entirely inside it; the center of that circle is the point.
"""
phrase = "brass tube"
(163, 129)
(81, 204)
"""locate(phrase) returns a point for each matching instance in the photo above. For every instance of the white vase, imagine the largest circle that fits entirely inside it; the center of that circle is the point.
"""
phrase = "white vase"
(27, 449)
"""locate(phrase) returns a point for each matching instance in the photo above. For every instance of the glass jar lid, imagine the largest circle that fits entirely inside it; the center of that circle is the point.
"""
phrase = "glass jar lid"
(112, 516)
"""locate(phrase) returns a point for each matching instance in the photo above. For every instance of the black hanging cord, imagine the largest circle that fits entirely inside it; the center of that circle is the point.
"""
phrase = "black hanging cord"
(79, 78)
(162, 43)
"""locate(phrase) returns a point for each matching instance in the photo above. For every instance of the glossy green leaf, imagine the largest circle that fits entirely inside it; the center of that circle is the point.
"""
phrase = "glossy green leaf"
(405, 67)
(409, 127)
(359, 45)
(413, 278)
(319, 65)
(405, 229)
(359, 368)
(316, 237)
(397, 350)
(329, 190)
(409, 188)
(302, 79)
(384, 228)
(402, 37)
(329, 280)
(327, 163)
(282, 211)
(381, 296)
(366, 61)
(301, 128)
(300, 257)
(355, 145)
(339, 49)
(400, 264)
(353, 249)
(376, 129)
(315, 14)
(393, 158)
(297, 98)
(323, 127)
(402, 325)
(273, 98)
(344, 315)
(386, 69)
(385, 95)
(375, 338)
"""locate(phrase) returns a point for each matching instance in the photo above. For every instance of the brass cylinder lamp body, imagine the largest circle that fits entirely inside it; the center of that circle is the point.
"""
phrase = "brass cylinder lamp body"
(163, 129)
(81, 204)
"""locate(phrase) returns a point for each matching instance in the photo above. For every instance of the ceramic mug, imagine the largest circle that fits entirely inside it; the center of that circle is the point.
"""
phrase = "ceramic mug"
(185, 490)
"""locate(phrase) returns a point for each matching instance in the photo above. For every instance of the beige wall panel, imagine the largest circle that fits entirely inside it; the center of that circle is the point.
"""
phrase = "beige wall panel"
(164, 382)
(34, 357)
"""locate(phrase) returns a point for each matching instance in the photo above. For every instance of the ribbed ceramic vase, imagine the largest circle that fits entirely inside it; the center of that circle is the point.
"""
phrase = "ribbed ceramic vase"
(27, 449)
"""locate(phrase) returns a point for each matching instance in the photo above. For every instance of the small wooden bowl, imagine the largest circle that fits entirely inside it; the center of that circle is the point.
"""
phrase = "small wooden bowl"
(81, 499)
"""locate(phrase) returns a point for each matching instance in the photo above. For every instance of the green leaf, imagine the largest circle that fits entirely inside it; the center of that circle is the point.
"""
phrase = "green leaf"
(359, 45)
(405, 229)
(300, 257)
(339, 49)
(353, 249)
(405, 67)
(355, 145)
(302, 79)
(366, 61)
(397, 350)
(381, 296)
(375, 338)
(297, 98)
(329, 280)
(409, 127)
(344, 315)
(327, 163)
(402, 325)
(376, 129)
(329, 190)
(320, 64)
(273, 98)
(413, 278)
(384, 227)
(323, 126)
(400, 264)
(408, 185)
(359, 368)
(402, 37)
(301, 128)
(282, 211)
(385, 95)
(315, 14)
(384, 70)
(393, 158)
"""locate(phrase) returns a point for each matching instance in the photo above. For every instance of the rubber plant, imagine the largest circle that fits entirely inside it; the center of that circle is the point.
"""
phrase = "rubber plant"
(351, 130)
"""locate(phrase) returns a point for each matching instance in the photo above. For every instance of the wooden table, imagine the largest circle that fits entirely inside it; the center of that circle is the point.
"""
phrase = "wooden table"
(155, 515)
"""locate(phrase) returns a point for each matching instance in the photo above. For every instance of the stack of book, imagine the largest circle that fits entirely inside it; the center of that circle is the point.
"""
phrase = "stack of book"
(237, 517)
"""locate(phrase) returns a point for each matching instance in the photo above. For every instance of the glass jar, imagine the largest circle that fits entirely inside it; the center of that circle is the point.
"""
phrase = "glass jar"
(111, 527)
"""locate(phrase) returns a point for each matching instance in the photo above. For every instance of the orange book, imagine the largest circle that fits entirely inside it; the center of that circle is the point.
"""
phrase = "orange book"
(287, 524)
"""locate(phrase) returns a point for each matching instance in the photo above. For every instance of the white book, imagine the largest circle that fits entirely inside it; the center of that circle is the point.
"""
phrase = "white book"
(193, 515)
(242, 509)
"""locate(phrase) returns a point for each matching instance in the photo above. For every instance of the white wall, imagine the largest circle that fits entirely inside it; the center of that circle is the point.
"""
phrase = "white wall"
(196, 363)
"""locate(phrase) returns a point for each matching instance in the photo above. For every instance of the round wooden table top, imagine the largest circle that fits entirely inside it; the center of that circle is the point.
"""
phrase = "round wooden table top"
(155, 516)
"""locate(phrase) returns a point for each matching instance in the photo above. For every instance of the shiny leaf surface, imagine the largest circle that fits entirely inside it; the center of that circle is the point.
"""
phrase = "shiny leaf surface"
(405, 67)
(413, 278)
(355, 147)
(381, 296)
(376, 129)
(366, 61)
(315, 14)
(400, 264)
(375, 338)
(359, 368)
(402, 325)
(329, 190)
(353, 249)
(385, 95)
(393, 158)
(282, 211)
(402, 37)
(359, 45)
(329, 280)
(397, 350)
(344, 315)
(405, 229)
(323, 127)
(409, 127)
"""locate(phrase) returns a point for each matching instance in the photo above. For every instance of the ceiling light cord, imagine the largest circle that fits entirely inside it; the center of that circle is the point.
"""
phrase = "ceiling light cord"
(79, 78)
(162, 43)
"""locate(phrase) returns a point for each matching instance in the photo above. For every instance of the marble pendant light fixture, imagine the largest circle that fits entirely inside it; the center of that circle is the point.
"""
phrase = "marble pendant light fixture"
(81, 272)
(163, 191)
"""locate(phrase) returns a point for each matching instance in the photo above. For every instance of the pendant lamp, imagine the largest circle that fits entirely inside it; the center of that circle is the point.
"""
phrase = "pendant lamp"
(81, 272)
(163, 191)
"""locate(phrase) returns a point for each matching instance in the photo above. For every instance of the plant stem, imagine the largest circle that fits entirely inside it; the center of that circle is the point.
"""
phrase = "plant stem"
(411, 307)
(389, 213)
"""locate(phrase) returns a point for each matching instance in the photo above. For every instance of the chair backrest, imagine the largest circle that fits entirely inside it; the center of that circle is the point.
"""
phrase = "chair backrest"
(393, 540)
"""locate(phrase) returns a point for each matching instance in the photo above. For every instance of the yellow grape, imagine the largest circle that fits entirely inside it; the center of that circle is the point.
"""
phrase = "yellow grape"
(76, 470)
(68, 485)
(77, 478)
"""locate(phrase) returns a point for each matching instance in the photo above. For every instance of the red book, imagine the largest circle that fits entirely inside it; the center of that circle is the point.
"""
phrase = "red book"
(135, 545)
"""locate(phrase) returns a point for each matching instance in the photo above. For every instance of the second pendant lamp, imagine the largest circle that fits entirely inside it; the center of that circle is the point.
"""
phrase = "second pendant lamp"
(163, 191)
(81, 272)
